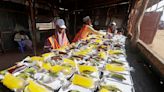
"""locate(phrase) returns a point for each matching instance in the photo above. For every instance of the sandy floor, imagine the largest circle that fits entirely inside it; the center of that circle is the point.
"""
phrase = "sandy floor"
(158, 43)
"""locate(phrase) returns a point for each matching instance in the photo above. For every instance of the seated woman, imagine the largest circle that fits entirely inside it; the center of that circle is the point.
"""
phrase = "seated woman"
(85, 30)
(58, 39)
(23, 40)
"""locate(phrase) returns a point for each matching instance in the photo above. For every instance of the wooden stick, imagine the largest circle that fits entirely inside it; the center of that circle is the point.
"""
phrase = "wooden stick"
(32, 17)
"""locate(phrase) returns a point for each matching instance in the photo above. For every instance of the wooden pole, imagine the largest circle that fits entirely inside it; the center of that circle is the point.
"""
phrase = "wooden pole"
(75, 18)
(75, 24)
(33, 24)
(141, 7)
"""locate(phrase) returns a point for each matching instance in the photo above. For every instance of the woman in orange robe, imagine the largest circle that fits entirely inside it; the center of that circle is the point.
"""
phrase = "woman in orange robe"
(85, 30)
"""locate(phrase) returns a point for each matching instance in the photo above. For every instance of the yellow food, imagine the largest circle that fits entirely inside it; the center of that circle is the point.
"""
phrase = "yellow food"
(56, 68)
(114, 68)
(103, 46)
(83, 81)
(103, 90)
(98, 41)
(69, 61)
(34, 87)
(37, 58)
(84, 52)
(93, 46)
(115, 52)
(88, 68)
(12, 82)
(46, 66)
(102, 55)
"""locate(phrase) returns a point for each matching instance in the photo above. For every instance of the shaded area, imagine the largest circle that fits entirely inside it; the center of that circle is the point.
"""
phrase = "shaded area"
(144, 79)
(9, 58)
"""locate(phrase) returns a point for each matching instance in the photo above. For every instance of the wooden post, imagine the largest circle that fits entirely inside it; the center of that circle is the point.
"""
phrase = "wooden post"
(75, 24)
(75, 18)
(141, 7)
(33, 25)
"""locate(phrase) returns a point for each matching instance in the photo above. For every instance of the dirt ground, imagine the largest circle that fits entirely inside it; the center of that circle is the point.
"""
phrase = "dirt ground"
(158, 43)
(9, 58)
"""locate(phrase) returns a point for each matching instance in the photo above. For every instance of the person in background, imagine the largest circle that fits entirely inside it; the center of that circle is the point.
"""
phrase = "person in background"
(58, 39)
(112, 28)
(85, 30)
(23, 41)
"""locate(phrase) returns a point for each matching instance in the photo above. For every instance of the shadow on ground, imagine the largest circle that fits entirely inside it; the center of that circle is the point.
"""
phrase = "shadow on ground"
(144, 79)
